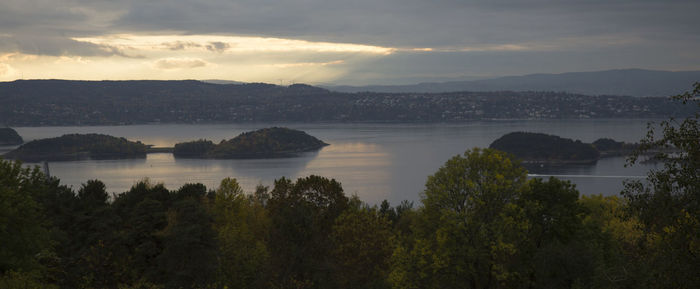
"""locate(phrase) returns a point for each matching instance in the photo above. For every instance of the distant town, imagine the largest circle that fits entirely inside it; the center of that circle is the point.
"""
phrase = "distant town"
(57, 102)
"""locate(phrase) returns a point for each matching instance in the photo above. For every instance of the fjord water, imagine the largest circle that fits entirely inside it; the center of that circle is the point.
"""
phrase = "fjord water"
(374, 161)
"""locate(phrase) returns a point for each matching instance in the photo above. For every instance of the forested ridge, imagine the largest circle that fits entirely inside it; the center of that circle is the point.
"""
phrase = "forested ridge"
(64, 102)
(480, 224)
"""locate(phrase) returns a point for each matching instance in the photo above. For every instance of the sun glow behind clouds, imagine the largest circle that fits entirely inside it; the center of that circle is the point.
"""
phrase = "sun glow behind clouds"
(242, 58)
(246, 58)
(231, 44)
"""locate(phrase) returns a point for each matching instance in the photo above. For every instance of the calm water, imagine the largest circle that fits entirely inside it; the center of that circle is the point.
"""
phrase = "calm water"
(374, 161)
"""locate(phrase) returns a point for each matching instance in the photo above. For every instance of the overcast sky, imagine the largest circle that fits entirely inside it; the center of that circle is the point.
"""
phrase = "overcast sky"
(341, 42)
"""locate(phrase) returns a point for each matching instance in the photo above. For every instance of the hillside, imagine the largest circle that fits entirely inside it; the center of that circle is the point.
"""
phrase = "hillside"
(262, 143)
(77, 147)
(632, 82)
(63, 102)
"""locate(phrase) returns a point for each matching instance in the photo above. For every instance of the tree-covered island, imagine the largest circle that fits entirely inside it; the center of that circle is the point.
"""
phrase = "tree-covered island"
(262, 143)
(78, 146)
(544, 148)
(539, 148)
(610, 147)
(9, 136)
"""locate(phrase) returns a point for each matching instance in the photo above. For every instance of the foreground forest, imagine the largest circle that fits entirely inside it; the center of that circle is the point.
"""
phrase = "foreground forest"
(480, 224)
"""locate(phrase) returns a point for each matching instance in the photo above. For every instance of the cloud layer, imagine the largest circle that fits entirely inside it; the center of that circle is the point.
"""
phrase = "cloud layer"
(394, 41)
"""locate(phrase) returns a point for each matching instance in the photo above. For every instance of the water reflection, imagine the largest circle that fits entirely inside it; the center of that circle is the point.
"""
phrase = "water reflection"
(249, 172)
(117, 173)
(374, 161)
(606, 177)
(6, 149)
(362, 168)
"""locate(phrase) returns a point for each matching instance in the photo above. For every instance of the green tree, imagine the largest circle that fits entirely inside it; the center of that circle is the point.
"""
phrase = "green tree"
(362, 247)
(554, 253)
(469, 228)
(188, 259)
(86, 255)
(667, 203)
(612, 238)
(241, 224)
(21, 280)
(302, 215)
(25, 234)
(553, 210)
(144, 214)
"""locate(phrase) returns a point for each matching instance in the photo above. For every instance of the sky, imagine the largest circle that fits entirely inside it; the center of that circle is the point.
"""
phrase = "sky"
(355, 42)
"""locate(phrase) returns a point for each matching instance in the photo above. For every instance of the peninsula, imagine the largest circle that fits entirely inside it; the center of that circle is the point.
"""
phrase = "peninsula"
(264, 143)
(78, 147)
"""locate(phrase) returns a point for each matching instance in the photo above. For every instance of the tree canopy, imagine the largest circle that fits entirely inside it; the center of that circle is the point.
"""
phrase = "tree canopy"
(667, 203)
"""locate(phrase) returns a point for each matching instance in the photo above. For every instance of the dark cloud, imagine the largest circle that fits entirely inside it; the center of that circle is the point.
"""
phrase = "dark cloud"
(419, 23)
(388, 22)
(181, 45)
(32, 27)
(58, 46)
(415, 67)
(218, 46)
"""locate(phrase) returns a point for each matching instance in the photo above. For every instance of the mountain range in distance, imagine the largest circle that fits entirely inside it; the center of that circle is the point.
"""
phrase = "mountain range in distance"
(620, 82)
(629, 82)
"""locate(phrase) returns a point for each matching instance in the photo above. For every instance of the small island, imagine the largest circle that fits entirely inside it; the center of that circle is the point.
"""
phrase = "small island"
(9, 137)
(539, 148)
(78, 147)
(612, 148)
(263, 143)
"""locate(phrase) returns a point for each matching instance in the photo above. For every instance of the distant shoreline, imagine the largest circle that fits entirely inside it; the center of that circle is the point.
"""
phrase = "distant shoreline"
(61, 103)
(268, 123)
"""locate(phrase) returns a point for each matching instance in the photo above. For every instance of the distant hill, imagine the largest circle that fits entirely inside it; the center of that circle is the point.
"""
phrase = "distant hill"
(220, 81)
(630, 82)
(65, 102)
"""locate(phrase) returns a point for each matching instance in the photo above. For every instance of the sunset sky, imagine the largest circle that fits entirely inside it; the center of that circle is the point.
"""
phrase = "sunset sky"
(341, 42)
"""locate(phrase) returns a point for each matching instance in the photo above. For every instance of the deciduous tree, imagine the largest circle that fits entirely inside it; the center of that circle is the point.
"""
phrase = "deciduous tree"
(303, 214)
(469, 227)
(668, 203)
